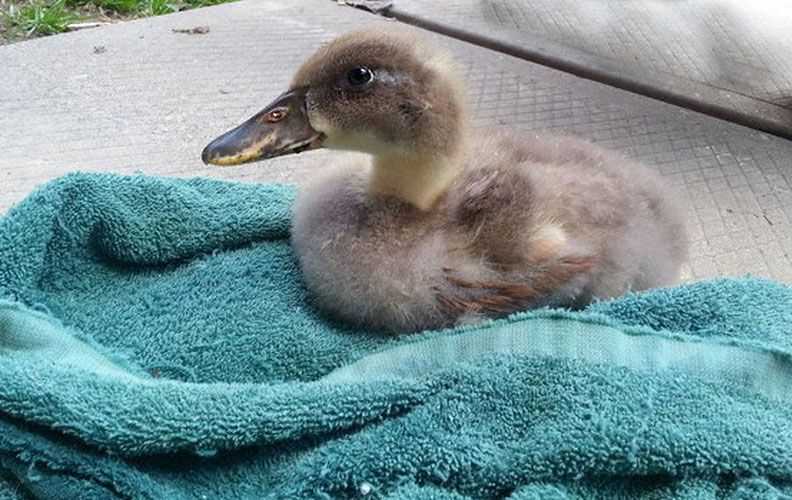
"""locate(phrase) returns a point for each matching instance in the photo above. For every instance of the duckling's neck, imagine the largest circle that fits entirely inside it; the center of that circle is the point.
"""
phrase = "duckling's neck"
(415, 179)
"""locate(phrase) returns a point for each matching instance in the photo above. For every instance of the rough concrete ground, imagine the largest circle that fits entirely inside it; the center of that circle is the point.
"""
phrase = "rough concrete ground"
(149, 99)
(743, 47)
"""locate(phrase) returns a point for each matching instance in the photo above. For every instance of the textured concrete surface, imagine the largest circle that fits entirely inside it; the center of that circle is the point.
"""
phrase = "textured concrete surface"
(731, 44)
(727, 58)
(153, 98)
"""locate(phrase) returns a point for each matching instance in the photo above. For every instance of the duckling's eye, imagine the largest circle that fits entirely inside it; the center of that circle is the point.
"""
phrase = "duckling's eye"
(276, 115)
(359, 76)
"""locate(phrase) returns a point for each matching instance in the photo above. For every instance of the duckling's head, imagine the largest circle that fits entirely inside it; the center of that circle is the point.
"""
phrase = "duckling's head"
(379, 92)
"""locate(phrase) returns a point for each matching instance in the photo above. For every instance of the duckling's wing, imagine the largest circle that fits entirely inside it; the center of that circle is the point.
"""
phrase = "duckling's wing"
(497, 298)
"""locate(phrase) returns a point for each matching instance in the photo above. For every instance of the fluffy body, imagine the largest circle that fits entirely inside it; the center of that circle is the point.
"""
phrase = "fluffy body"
(530, 222)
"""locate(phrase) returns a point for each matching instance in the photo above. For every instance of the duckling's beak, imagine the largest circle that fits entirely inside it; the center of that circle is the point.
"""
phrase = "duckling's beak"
(279, 129)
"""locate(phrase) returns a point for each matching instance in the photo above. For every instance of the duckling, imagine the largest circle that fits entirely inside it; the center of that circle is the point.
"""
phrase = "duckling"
(444, 224)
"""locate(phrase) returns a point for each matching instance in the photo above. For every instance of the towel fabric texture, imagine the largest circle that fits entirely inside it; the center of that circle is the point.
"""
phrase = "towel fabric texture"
(156, 342)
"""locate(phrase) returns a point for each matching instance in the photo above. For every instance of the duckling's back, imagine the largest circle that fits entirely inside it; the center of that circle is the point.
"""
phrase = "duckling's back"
(580, 199)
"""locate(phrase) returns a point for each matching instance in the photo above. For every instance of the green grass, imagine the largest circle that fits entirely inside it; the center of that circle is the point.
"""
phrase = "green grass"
(39, 18)
(118, 6)
(21, 19)
(157, 7)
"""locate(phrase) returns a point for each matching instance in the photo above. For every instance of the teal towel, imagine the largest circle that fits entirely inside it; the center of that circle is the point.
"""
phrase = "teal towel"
(156, 342)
